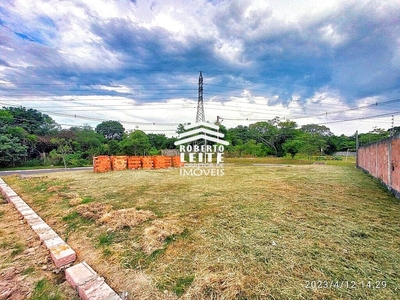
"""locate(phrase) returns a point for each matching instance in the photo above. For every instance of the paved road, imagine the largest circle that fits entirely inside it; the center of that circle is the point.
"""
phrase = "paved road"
(42, 171)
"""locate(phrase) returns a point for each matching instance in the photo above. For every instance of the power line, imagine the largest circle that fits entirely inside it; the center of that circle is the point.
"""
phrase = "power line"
(361, 118)
(101, 119)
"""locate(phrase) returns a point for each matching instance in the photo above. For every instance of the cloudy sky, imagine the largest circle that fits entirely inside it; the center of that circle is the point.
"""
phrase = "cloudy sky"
(331, 62)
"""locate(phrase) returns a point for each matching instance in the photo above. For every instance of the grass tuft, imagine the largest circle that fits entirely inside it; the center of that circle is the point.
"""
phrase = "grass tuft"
(106, 239)
(182, 283)
(45, 290)
(28, 270)
(18, 249)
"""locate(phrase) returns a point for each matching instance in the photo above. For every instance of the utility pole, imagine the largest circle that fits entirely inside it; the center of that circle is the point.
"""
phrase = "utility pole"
(392, 131)
(200, 117)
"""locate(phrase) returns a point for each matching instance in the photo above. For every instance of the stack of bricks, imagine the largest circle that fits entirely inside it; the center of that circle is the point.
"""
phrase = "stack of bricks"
(134, 162)
(176, 162)
(147, 162)
(167, 161)
(158, 162)
(106, 163)
(119, 163)
(101, 164)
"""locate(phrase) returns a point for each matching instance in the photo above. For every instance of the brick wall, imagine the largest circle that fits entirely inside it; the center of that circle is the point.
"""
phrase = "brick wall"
(382, 160)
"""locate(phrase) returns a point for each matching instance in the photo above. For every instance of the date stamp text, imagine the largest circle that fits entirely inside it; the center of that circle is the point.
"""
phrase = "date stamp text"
(345, 284)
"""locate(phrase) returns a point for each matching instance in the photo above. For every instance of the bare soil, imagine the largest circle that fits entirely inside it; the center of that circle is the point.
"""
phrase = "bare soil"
(24, 261)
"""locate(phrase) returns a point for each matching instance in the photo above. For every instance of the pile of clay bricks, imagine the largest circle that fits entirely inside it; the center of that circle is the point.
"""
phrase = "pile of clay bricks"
(119, 163)
(167, 161)
(105, 163)
(176, 162)
(158, 162)
(134, 162)
(102, 164)
(147, 162)
(81, 276)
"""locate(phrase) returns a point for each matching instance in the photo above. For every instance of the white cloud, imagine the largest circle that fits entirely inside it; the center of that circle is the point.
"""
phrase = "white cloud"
(288, 58)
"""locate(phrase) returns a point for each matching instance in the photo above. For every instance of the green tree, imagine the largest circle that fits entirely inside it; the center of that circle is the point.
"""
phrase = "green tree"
(111, 130)
(313, 144)
(12, 151)
(6, 117)
(252, 148)
(157, 141)
(89, 142)
(32, 120)
(112, 147)
(394, 131)
(316, 138)
(238, 135)
(293, 146)
(273, 133)
(136, 143)
(373, 136)
(180, 129)
(63, 149)
(315, 129)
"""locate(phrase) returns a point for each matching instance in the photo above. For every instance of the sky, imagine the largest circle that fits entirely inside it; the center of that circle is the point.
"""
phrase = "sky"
(334, 63)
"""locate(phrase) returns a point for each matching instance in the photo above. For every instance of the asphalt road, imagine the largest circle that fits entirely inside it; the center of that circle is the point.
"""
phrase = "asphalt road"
(42, 171)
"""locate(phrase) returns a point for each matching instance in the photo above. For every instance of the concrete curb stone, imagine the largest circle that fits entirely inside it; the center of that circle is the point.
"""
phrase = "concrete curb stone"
(89, 285)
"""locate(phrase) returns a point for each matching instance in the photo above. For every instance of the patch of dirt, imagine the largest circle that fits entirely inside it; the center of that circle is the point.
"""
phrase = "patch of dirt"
(23, 261)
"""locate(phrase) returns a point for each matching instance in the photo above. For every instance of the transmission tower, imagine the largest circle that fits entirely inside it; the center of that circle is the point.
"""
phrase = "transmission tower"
(200, 107)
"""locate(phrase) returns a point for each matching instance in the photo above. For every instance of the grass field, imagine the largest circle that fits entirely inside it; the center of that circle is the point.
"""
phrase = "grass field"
(258, 232)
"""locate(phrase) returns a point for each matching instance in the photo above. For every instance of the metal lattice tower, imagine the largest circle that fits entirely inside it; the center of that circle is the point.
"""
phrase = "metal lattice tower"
(200, 117)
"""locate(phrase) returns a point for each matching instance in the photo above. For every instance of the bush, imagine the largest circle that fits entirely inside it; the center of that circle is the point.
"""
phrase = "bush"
(33, 163)
(77, 160)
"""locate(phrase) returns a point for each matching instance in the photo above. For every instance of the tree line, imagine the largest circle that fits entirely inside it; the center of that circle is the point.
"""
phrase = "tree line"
(31, 138)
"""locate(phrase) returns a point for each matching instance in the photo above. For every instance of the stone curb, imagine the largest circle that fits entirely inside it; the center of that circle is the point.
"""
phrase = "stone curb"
(61, 254)
(88, 283)
(81, 277)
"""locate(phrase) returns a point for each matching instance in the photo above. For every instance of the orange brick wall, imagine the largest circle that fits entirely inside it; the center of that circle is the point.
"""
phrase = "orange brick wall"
(382, 160)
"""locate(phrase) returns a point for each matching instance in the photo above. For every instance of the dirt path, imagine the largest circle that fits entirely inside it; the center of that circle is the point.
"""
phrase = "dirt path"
(26, 270)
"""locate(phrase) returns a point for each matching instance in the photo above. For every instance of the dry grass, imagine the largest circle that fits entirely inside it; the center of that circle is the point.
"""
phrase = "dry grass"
(103, 214)
(94, 210)
(122, 218)
(155, 235)
(221, 285)
(259, 232)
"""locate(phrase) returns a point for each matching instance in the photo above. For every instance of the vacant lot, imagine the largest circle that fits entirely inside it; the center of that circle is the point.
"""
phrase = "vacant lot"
(259, 232)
